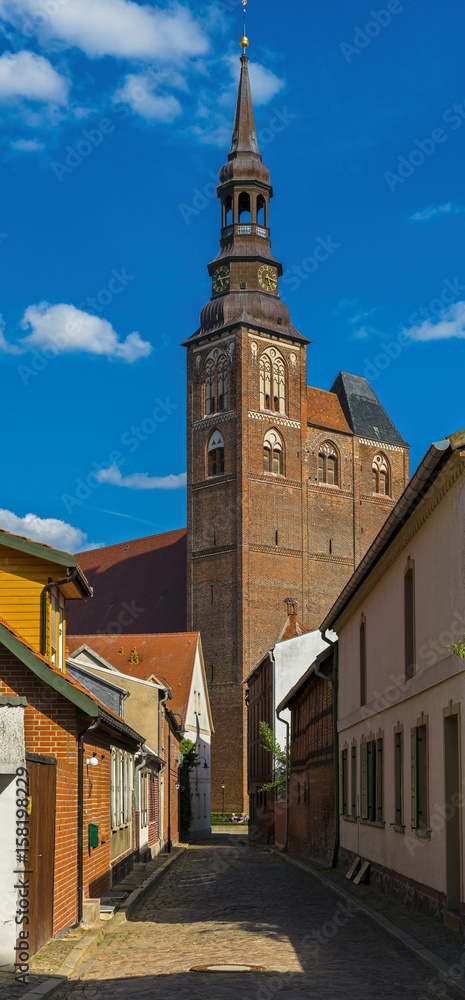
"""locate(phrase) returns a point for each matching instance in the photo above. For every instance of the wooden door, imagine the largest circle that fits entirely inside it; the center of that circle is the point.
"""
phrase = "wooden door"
(42, 789)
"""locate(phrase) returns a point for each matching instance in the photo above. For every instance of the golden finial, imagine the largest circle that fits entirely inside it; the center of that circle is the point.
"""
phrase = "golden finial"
(244, 42)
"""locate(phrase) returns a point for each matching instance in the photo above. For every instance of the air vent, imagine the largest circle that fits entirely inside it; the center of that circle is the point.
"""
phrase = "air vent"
(280, 320)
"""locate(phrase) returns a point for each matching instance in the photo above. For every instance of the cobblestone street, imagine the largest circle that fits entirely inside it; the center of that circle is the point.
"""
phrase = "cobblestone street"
(230, 903)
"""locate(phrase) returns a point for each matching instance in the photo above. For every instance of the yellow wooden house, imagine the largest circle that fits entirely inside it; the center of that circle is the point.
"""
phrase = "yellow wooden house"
(36, 581)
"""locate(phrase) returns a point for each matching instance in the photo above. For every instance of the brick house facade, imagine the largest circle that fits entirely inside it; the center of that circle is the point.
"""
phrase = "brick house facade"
(287, 484)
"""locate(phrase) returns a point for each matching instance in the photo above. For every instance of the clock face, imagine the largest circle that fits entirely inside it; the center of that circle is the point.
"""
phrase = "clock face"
(268, 278)
(221, 279)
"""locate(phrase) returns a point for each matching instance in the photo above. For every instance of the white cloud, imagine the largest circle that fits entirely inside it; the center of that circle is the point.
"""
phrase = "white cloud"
(48, 530)
(26, 145)
(449, 325)
(264, 83)
(137, 91)
(141, 480)
(63, 329)
(432, 211)
(118, 28)
(27, 76)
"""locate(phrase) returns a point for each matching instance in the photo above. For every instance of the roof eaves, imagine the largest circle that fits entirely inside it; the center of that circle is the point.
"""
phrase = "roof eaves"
(38, 549)
(86, 703)
(421, 481)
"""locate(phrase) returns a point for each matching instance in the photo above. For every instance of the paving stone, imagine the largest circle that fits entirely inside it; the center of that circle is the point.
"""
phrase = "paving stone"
(234, 904)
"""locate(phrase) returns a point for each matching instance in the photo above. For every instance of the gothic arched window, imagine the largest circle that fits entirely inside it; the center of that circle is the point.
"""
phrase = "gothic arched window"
(381, 475)
(273, 453)
(216, 454)
(216, 383)
(328, 464)
(272, 381)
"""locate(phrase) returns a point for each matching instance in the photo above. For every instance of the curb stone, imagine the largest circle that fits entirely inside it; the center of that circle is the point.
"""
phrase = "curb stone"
(423, 955)
(89, 942)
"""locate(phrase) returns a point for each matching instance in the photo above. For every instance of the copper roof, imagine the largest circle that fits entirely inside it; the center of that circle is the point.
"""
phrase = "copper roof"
(324, 410)
(139, 586)
(169, 657)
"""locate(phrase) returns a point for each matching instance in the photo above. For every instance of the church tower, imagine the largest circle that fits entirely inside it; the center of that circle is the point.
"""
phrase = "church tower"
(266, 458)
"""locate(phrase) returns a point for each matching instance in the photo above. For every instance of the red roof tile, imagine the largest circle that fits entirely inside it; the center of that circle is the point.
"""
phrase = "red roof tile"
(169, 657)
(139, 586)
(292, 629)
(324, 410)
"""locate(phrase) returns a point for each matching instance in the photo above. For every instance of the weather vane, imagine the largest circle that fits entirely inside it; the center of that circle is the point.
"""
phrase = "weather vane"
(244, 42)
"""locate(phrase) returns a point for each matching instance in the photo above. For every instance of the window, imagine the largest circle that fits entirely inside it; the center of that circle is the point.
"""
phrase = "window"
(272, 381)
(353, 781)
(261, 211)
(53, 626)
(216, 383)
(216, 454)
(244, 207)
(398, 778)
(121, 768)
(381, 475)
(371, 775)
(61, 633)
(328, 464)
(419, 778)
(273, 453)
(344, 783)
(409, 619)
(363, 661)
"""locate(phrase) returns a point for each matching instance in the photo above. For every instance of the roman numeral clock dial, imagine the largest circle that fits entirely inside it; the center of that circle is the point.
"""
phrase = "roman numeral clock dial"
(221, 279)
(268, 278)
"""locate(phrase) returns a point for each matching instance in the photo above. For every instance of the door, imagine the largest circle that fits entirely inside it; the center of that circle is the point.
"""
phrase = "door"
(42, 790)
(453, 798)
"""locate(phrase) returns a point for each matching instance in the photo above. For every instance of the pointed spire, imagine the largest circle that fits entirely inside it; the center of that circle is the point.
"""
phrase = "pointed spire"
(244, 138)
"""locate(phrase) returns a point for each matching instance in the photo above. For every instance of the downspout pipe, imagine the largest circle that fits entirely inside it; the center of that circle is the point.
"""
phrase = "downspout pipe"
(142, 750)
(286, 839)
(162, 769)
(273, 704)
(80, 832)
(334, 681)
(47, 588)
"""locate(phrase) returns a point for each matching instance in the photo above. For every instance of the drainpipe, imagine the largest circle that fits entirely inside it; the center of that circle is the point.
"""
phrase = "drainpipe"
(169, 788)
(334, 681)
(80, 845)
(273, 706)
(144, 752)
(50, 586)
(286, 840)
(162, 769)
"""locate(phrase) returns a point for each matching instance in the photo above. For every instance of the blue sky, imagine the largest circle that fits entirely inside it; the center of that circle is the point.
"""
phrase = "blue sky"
(115, 119)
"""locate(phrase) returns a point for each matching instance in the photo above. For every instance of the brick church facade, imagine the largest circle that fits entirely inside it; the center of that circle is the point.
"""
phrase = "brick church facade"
(287, 484)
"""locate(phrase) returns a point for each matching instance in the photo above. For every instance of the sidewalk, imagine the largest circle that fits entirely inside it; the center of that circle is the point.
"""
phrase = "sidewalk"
(436, 946)
(60, 958)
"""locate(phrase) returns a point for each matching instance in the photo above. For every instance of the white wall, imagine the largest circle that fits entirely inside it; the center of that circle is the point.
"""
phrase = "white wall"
(198, 729)
(11, 758)
(292, 659)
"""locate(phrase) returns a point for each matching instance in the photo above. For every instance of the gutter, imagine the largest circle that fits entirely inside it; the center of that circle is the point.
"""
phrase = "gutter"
(80, 838)
(411, 497)
(334, 681)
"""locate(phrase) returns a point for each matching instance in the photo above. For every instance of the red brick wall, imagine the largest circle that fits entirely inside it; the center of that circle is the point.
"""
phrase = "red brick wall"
(260, 762)
(171, 777)
(311, 786)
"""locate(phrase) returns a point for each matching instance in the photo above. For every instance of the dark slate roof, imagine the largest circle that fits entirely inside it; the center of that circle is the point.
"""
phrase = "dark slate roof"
(363, 410)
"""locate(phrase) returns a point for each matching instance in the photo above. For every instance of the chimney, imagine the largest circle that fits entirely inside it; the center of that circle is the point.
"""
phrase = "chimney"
(291, 606)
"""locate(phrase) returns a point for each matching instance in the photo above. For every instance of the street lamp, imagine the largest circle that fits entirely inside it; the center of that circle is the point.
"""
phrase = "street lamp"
(223, 785)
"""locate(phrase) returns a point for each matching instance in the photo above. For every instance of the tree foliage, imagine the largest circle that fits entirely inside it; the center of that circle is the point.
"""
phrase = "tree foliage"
(190, 760)
(271, 745)
(458, 649)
